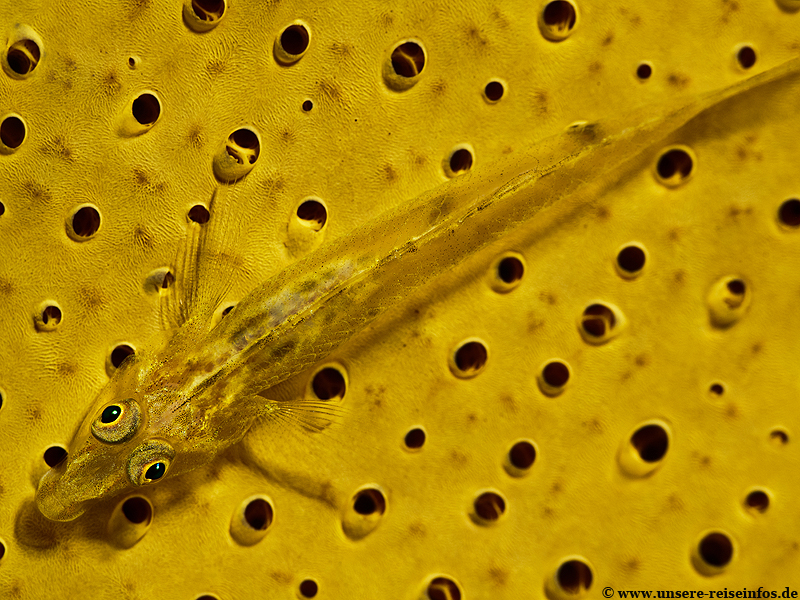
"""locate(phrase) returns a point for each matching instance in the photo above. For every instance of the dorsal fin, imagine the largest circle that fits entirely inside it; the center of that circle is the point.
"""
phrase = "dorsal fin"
(199, 269)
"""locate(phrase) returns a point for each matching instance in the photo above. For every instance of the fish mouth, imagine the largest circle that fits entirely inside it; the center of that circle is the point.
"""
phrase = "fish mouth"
(53, 500)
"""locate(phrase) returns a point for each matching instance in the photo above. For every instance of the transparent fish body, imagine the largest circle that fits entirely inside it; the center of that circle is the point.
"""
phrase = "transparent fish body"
(172, 409)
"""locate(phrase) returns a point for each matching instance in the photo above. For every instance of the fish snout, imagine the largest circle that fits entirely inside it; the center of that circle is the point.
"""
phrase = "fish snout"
(53, 500)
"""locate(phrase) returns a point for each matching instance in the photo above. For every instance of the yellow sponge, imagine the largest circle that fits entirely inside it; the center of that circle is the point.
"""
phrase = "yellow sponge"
(601, 399)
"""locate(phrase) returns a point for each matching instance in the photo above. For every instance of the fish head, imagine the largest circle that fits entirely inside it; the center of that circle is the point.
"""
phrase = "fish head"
(112, 451)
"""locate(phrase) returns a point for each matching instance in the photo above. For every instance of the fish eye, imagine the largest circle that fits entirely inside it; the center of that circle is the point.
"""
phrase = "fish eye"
(155, 471)
(149, 462)
(111, 414)
(117, 422)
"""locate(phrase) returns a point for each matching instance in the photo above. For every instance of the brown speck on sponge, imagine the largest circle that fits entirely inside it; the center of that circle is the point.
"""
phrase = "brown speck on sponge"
(678, 80)
(732, 411)
(282, 577)
(548, 297)
(91, 297)
(342, 50)
(498, 575)
(386, 20)
(330, 89)
(475, 36)
(215, 66)
(57, 146)
(6, 286)
(137, 7)
(541, 100)
(110, 84)
(508, 403)
(36, 192)
(388, 173)
(194, 137)
(142, 237)
(439, 87)
(458, 458)
(33, 412)
(534, 323)
(632, 564)
(287, 136)
(140, 176)
(417, 529)
(417, 158)
(66, 368)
